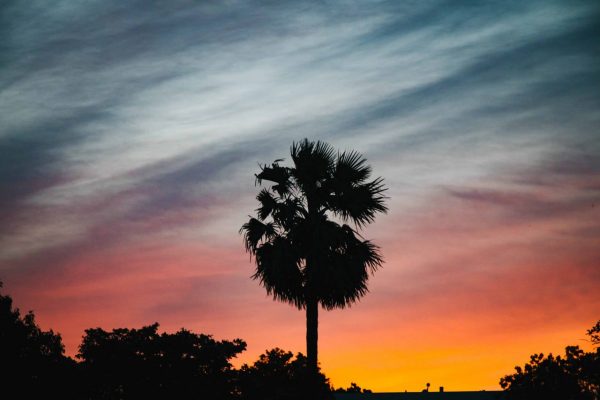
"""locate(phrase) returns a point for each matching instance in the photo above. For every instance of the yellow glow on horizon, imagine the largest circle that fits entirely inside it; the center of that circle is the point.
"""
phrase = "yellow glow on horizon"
(387, 367)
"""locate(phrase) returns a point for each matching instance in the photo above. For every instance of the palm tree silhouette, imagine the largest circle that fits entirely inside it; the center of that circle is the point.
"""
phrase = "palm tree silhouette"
(303, 256)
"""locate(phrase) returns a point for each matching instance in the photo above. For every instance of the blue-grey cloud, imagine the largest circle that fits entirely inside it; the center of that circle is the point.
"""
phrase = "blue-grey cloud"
(117, 113)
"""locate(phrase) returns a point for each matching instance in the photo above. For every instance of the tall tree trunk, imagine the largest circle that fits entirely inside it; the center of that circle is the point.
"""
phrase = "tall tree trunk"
(312, 303)
(312, 333)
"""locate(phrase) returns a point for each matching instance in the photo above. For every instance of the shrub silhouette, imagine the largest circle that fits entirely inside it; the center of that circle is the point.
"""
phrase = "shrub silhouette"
(594, 334)
(141, 363)
(33, 360)
(278, 376)
(353, 388)
(303, 257)
(574, 376)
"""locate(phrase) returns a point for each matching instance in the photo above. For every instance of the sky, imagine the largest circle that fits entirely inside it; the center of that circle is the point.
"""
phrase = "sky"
(131, 132)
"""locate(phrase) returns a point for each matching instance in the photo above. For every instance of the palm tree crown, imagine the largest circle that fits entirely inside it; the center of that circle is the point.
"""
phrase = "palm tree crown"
(303, 256)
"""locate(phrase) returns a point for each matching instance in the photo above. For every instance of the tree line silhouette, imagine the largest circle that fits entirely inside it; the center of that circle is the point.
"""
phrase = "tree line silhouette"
(143, 364)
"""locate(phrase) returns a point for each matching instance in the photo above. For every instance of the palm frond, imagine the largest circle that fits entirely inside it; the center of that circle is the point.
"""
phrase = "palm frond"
(360, 203)
(277, 174)
(267, 204)
(278, 270)
(344, 265)
(313, 163)
(287, 212)
(366, 253)
(254, 232)
(351, 169)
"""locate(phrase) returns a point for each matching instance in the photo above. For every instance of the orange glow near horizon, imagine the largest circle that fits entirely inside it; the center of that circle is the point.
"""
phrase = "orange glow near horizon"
(456, 367)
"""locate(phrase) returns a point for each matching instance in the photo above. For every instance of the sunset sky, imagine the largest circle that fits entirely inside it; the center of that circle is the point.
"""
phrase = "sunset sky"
(130, 133)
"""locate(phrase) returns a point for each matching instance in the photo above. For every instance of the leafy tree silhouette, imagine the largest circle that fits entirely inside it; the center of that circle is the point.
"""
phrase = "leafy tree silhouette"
(303, 256)
(141, 363)
(574, 376)
(33, 360)
(594, 334)
(278, 376)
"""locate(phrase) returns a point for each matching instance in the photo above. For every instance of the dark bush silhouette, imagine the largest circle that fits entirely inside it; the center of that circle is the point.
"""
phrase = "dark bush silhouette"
(576, 375)
(304, 257)
(141, 363)
(33, 361)
(278, 376)
(353, 388)
(594, 334)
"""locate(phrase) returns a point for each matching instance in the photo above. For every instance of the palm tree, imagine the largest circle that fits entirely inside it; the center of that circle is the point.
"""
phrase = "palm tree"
(303, 256)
